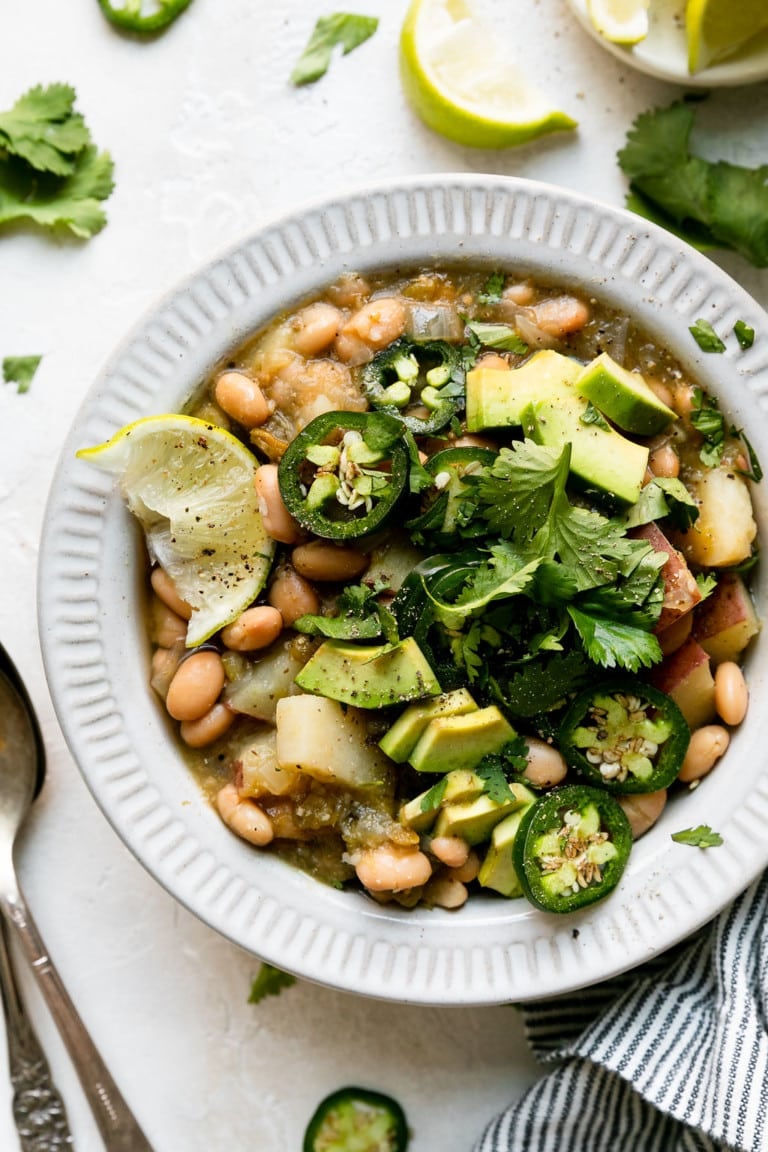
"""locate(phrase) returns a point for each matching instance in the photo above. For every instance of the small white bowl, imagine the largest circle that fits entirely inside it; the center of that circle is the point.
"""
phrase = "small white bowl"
(492, 950)
(664, 51)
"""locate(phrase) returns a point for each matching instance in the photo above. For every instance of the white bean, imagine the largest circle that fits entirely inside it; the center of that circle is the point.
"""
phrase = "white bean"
(196, 686)
(389, 868)
(706, 747)
(244, 816)
(731, 696)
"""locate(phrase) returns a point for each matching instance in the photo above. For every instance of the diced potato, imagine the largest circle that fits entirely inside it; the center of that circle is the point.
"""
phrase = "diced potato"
(681, 592)
(725, 529)
(726, 622)
(256, 685)
(687, 677)
(260, 773)
(328, 742)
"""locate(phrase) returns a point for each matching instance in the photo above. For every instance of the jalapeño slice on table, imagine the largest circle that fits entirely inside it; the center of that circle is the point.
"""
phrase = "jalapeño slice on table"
(357, 1118)
(428, 377)
(571, 848)
(625, 736)
(344, 473)
(130, 17)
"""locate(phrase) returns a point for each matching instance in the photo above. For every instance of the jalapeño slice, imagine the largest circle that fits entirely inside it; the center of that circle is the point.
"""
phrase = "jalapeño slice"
(625, 736)
(129, 16)
(427, 376)
(359, 1119)
(447, 515)
(343, 475)
(571, 848)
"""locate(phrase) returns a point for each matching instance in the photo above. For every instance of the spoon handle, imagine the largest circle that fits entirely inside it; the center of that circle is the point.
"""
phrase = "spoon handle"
(38, 1110)
(118, 1126)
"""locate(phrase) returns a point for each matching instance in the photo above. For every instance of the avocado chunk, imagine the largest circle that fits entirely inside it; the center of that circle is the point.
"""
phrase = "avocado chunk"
(474, 820)
(460, 785)
(497, 398)
(369, 676)
(601, 458)
(450, 742)
(401, 739)
(498, 870)
(623, 396)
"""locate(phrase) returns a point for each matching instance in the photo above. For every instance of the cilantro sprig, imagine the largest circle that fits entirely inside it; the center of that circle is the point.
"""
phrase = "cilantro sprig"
(700, 837)
(51, 174)
(20, 370)
(342, 29)
(712, 204)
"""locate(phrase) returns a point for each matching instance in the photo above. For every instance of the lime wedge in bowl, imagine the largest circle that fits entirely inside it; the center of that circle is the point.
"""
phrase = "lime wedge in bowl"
(620, 21)
(462, 85)
(190, 484)
(715, 29)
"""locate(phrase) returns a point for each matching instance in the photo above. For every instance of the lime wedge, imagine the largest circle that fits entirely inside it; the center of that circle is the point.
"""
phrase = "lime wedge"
(717, 28)
(620, 21)
(190, 484)
(462, 85)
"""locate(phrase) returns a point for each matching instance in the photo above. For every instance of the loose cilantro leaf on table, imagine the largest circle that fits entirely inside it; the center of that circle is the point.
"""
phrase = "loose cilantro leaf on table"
(716, 204)
(20, 370)
(699, 837)
(270, 981)
(50, 172)
(342, 28)
(744, 334)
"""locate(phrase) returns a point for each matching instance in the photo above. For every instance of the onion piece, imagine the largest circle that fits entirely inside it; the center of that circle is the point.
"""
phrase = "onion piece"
(433, 322)
(529, 331)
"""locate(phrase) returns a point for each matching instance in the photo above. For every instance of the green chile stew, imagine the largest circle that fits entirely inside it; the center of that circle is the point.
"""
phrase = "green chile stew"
(509, 572)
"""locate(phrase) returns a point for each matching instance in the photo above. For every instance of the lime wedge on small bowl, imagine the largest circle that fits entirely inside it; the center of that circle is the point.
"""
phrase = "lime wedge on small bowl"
(462, 86)
(190, 484)
(620, 21)
(715, 29)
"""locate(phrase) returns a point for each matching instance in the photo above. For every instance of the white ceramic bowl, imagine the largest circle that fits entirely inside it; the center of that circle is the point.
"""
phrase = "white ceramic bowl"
(664, 51)
(96, 657)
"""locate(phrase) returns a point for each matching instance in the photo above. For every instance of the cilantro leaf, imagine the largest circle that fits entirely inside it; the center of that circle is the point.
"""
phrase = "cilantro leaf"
(544, 683)
(71, 202)
(707, 419)
(270, 981)
(755, 471)
(358, 616)
(491, 291)
(497, 768)
(382, 432)
(612, 643)
(706, 584)
(341, 28)
(665, 497)
(700, 837)
(433, 798)
(501, 336)
(715, 204)
(516, 493)
(706, 337)
(43, 129)
(20, 370)
(744, 334)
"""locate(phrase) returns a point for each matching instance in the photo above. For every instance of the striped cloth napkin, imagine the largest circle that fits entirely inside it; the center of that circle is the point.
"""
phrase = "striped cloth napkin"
(672, 1057)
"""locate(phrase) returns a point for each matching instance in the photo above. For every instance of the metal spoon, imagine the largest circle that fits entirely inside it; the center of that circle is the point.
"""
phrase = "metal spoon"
(22, 768)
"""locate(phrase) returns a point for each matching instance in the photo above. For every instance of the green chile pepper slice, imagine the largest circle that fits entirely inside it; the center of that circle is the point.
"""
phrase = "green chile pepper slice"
(129, 16)
(571, 848)
(429, 374)
(443, 520)
(625, 736)
(357, 1118)
(343, 475)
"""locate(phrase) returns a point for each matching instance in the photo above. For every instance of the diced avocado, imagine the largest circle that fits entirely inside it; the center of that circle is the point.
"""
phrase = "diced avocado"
(600, 456)
(450, 742)
(623, 396)
(369, 677)
(459, 786)
(474, 820)
(497, 398)
(498, 870)
(400, 740)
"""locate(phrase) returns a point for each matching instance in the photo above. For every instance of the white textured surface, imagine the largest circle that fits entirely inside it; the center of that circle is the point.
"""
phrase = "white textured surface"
(210, 143)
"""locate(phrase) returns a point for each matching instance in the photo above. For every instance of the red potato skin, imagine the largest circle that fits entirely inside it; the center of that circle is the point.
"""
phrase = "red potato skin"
(686, 676)
(726, 621)
(681, 592)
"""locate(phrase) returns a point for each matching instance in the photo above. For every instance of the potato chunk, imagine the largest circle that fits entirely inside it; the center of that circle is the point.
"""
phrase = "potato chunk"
(725, 529)
(328, 742)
